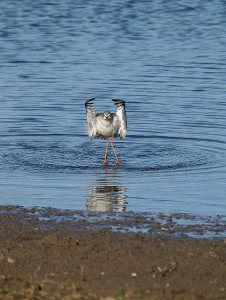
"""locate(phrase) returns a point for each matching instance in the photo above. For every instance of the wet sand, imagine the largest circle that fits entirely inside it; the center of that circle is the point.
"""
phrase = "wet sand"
(54, 254)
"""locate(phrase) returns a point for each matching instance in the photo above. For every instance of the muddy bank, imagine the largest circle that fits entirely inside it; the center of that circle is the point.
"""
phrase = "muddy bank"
(53, 254)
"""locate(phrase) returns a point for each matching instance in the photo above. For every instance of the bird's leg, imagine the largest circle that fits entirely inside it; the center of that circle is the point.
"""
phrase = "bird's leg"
(117, 161)
(106, 159)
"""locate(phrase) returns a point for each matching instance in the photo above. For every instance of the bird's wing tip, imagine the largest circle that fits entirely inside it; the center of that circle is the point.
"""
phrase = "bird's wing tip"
(118, 101)
(89, 101)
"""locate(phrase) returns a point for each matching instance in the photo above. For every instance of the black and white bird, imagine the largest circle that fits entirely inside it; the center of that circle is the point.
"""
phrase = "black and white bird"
(106, 125)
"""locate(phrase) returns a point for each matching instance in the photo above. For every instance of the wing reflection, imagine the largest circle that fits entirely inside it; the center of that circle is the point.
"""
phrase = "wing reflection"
(106, 196)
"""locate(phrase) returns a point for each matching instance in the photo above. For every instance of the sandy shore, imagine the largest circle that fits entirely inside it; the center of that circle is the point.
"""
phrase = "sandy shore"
(50, 254)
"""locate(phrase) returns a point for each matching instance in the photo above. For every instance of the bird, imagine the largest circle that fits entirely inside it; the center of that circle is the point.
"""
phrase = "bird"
(106, 125)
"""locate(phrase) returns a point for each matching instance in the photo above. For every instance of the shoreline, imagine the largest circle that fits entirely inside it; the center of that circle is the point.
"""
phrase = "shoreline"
(55, 254)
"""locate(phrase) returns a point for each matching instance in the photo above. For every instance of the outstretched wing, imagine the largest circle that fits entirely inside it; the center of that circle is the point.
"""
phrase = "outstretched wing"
(91, 118)
(121, 114)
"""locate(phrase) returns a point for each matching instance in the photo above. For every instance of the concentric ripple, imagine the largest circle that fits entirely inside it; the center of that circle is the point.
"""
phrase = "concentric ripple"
(149, 154)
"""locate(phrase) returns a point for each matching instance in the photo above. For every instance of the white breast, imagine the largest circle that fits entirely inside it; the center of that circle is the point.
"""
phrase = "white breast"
(107, 128)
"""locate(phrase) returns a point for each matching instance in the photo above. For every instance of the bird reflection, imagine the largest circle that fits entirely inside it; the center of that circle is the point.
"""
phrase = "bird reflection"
(106, 196)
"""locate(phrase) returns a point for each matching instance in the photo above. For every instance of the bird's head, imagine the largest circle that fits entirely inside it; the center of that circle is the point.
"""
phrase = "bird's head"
(107, 115)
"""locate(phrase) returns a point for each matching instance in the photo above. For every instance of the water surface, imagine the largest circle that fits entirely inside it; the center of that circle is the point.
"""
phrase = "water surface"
(166, 59)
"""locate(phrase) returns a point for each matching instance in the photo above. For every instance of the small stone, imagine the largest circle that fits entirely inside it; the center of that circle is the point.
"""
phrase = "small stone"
(10, 260)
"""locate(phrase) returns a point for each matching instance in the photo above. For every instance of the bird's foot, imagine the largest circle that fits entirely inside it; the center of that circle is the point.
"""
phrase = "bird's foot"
(105, 161)
(117, 161)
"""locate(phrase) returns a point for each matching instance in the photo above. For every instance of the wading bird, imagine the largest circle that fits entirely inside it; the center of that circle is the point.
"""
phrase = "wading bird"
(106, 125)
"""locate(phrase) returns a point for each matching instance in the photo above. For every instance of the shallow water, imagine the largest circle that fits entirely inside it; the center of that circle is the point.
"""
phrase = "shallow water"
(165, 59)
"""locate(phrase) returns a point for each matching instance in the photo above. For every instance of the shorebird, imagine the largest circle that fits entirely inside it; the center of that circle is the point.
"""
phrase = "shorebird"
(106, 125)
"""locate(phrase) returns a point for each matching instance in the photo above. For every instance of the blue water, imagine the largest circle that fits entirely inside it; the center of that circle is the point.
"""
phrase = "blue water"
(166, 59)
